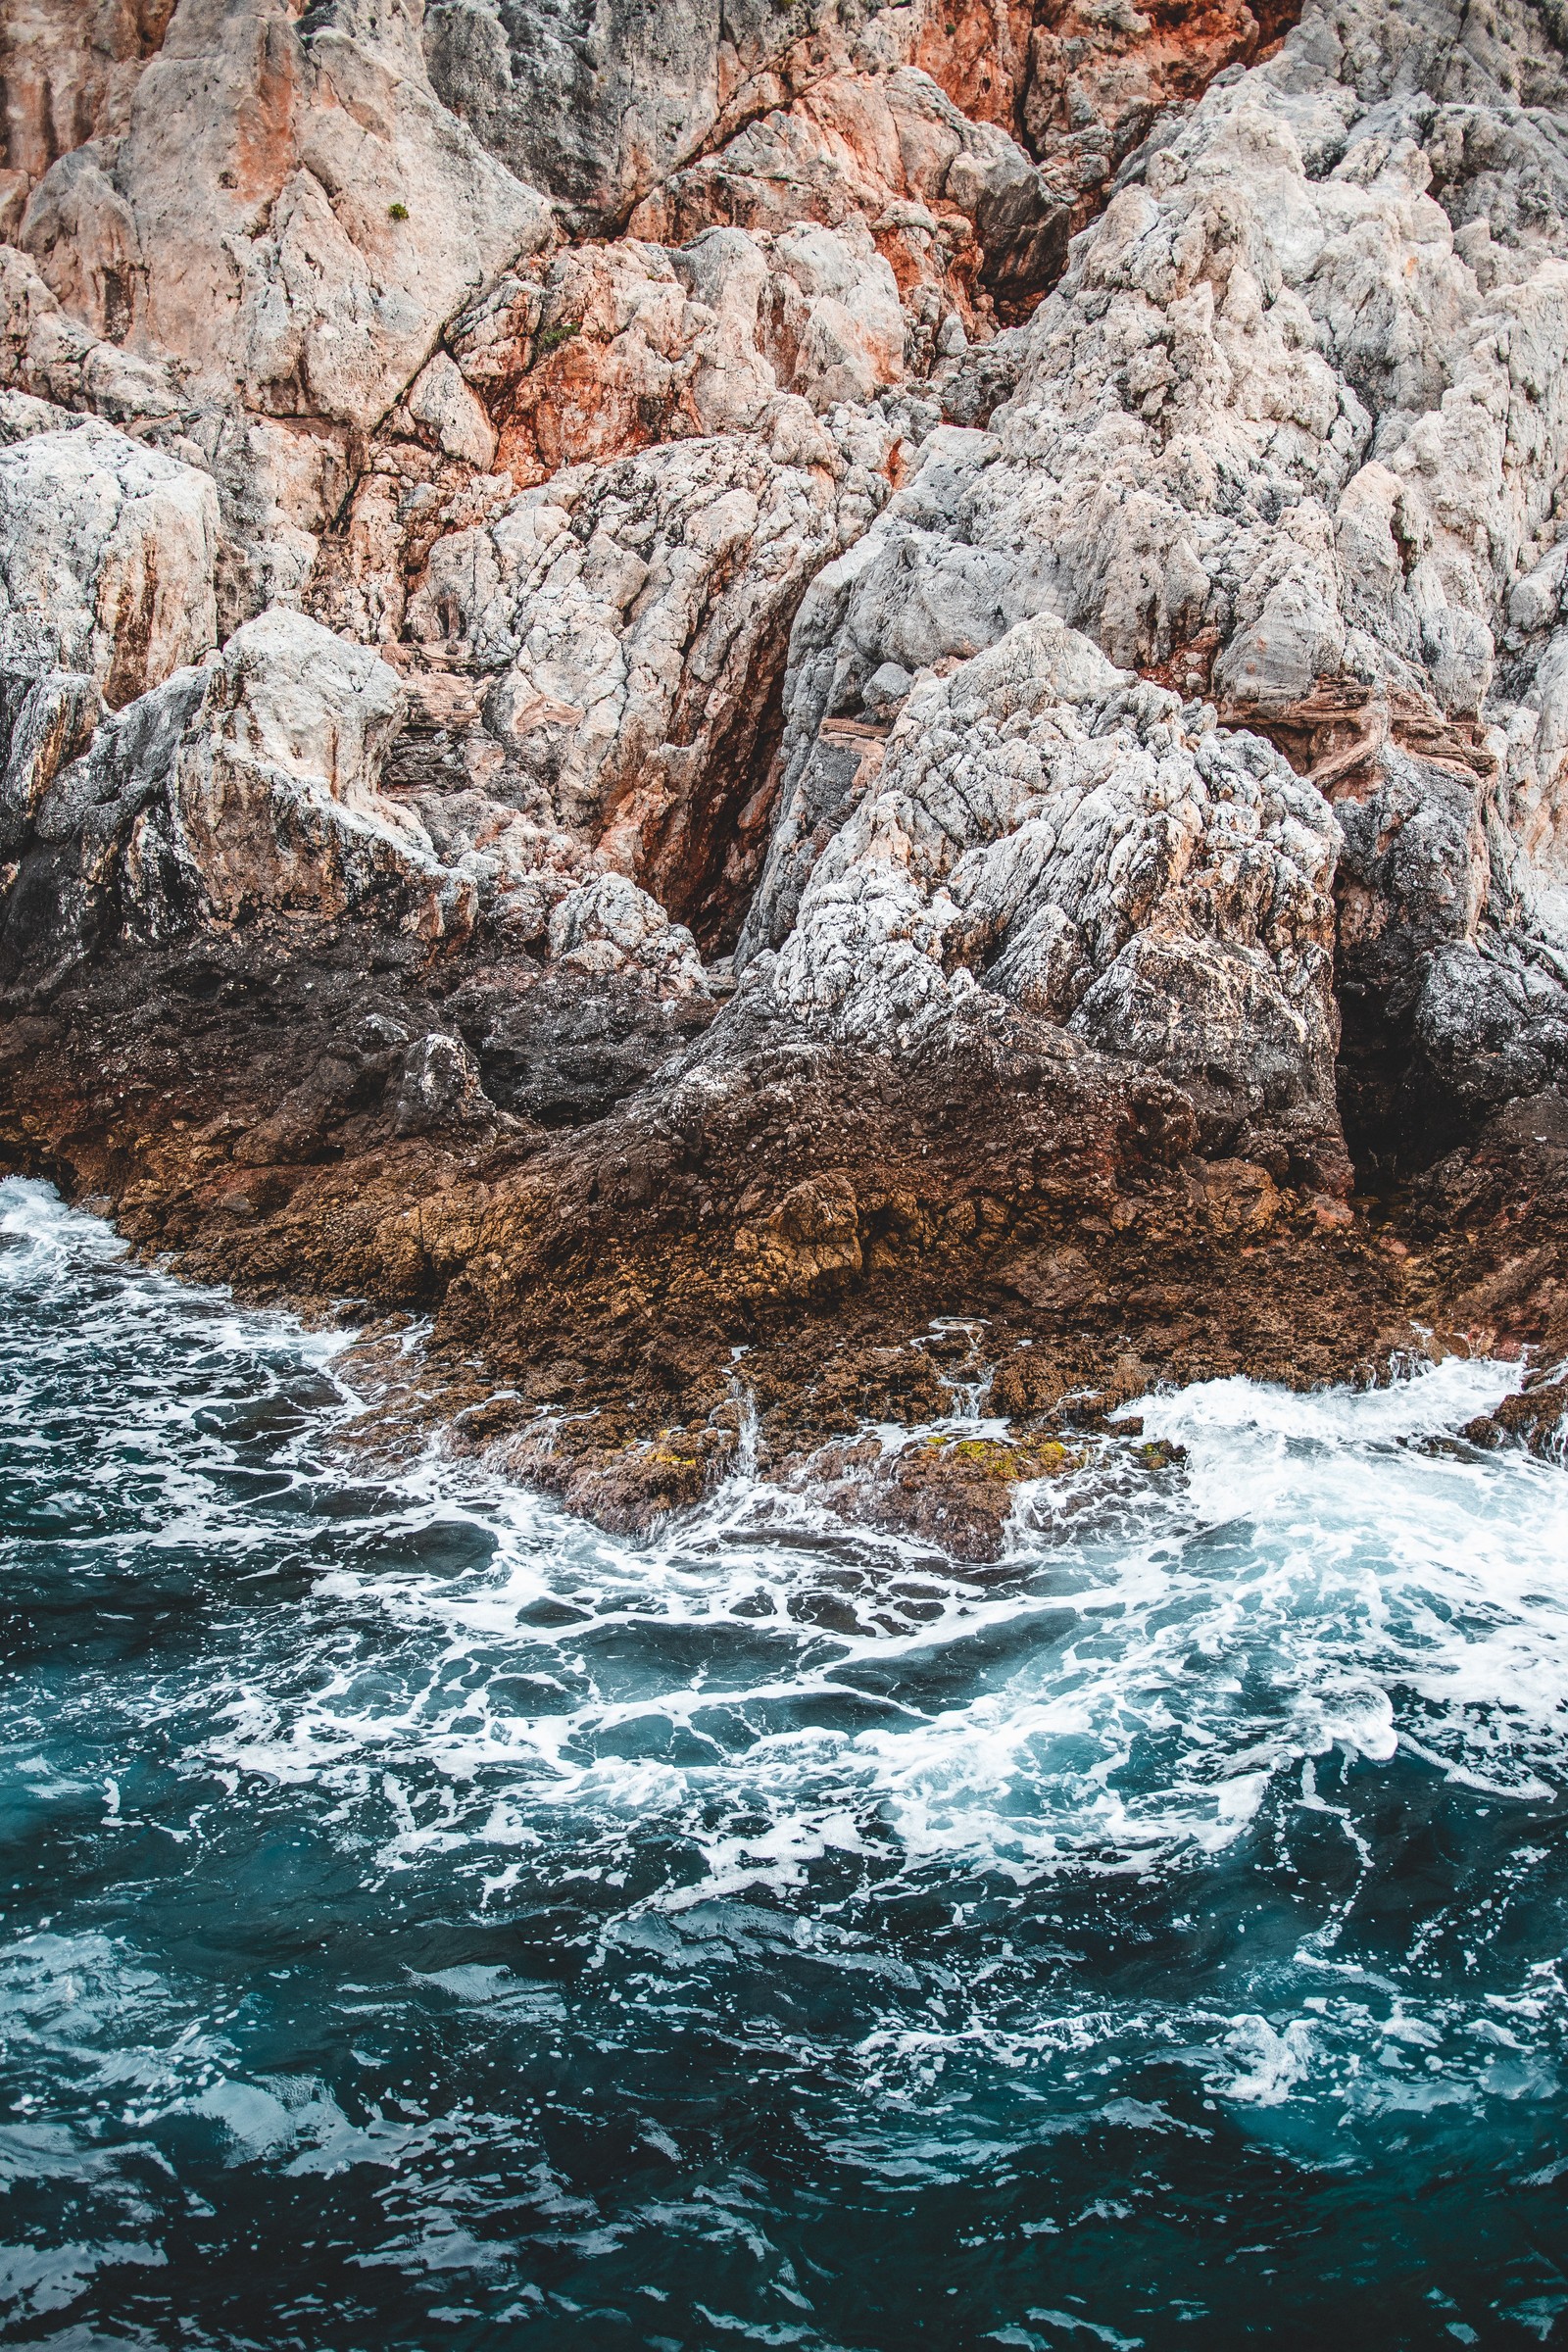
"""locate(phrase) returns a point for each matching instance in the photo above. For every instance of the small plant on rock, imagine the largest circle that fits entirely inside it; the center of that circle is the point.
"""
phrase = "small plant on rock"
(550, 338)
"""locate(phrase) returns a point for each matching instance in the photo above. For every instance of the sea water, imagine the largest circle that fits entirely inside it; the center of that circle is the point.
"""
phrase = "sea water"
(429, 1920)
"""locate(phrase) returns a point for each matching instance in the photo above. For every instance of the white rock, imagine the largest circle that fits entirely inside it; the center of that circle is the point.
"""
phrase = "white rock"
(246, 788)
(1048, 827)
(272, 804)
(630, 617)
(440, 400)
(1273, 429)
(611, 926)
(1199, 398)
(291, 217)
(107, 556)
(837, 314)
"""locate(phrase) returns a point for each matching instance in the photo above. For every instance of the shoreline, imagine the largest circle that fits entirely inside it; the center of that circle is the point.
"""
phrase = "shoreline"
(828, 1221)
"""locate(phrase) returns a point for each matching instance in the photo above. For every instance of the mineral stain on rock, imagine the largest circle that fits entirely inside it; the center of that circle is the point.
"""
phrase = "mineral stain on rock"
(713, 695)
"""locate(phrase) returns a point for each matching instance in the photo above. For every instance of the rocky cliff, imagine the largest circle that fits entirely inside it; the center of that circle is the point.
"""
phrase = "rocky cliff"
(790, 704)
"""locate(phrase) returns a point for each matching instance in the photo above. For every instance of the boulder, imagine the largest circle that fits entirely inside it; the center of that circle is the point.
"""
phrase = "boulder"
(242, 789)
(609, 926)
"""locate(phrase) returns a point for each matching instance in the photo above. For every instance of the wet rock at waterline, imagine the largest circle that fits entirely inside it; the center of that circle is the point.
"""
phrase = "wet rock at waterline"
(679, 684)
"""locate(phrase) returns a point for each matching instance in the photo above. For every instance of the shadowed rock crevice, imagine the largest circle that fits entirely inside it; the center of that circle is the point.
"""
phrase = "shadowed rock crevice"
(707, 859)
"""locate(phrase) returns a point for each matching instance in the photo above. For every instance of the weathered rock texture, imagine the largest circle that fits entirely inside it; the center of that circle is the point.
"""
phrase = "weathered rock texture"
(678, 680)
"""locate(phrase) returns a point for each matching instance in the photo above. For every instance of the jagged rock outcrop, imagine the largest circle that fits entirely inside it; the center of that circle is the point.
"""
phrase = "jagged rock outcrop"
(238, 789)
(246, 790)
(1047, 829)
(287, 208)
(257, 248)
(597, 102)
(609, 927)
(962, 215)
(626, 627)
(1288, 434)
(610, 348)
(1042, 531)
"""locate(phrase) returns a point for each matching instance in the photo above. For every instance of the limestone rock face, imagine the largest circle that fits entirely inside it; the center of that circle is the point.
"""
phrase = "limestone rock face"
(607, 103)
(271, 802)
(106, 557)
(1033, 526)
(1290, 432)
(286, 210)
(45, 722)
(610, 348)
(54, 356)
(1045, 827)
(960, 213)
(251, 257)
(629, 623)
(69, 76)
(598, 100)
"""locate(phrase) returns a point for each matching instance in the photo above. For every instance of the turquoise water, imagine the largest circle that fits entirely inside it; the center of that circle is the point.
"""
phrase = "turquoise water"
(429, 1922)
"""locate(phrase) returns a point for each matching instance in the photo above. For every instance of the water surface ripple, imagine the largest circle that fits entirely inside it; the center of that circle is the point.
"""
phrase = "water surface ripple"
(430, 1922)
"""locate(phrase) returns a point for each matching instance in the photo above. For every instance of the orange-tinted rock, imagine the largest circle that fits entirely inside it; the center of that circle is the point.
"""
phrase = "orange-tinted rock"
(603, 352)
(67, 75)
(1100, 77)
(955, 206)
(978, 50)
(1082, 83)
(612, 348)
(286, 209)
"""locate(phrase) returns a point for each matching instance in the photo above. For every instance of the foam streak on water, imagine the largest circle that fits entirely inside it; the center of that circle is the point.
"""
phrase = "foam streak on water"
(427, 1920)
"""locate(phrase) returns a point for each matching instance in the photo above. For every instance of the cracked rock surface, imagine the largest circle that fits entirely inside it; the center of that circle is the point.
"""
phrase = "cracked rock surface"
(688, 678)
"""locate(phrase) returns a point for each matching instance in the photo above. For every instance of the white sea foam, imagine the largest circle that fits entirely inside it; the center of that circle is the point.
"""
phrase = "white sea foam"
(1308, 1580)
(1305, 1584)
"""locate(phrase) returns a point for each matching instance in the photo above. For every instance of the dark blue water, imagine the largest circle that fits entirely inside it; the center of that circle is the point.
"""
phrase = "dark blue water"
(430, 1922)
